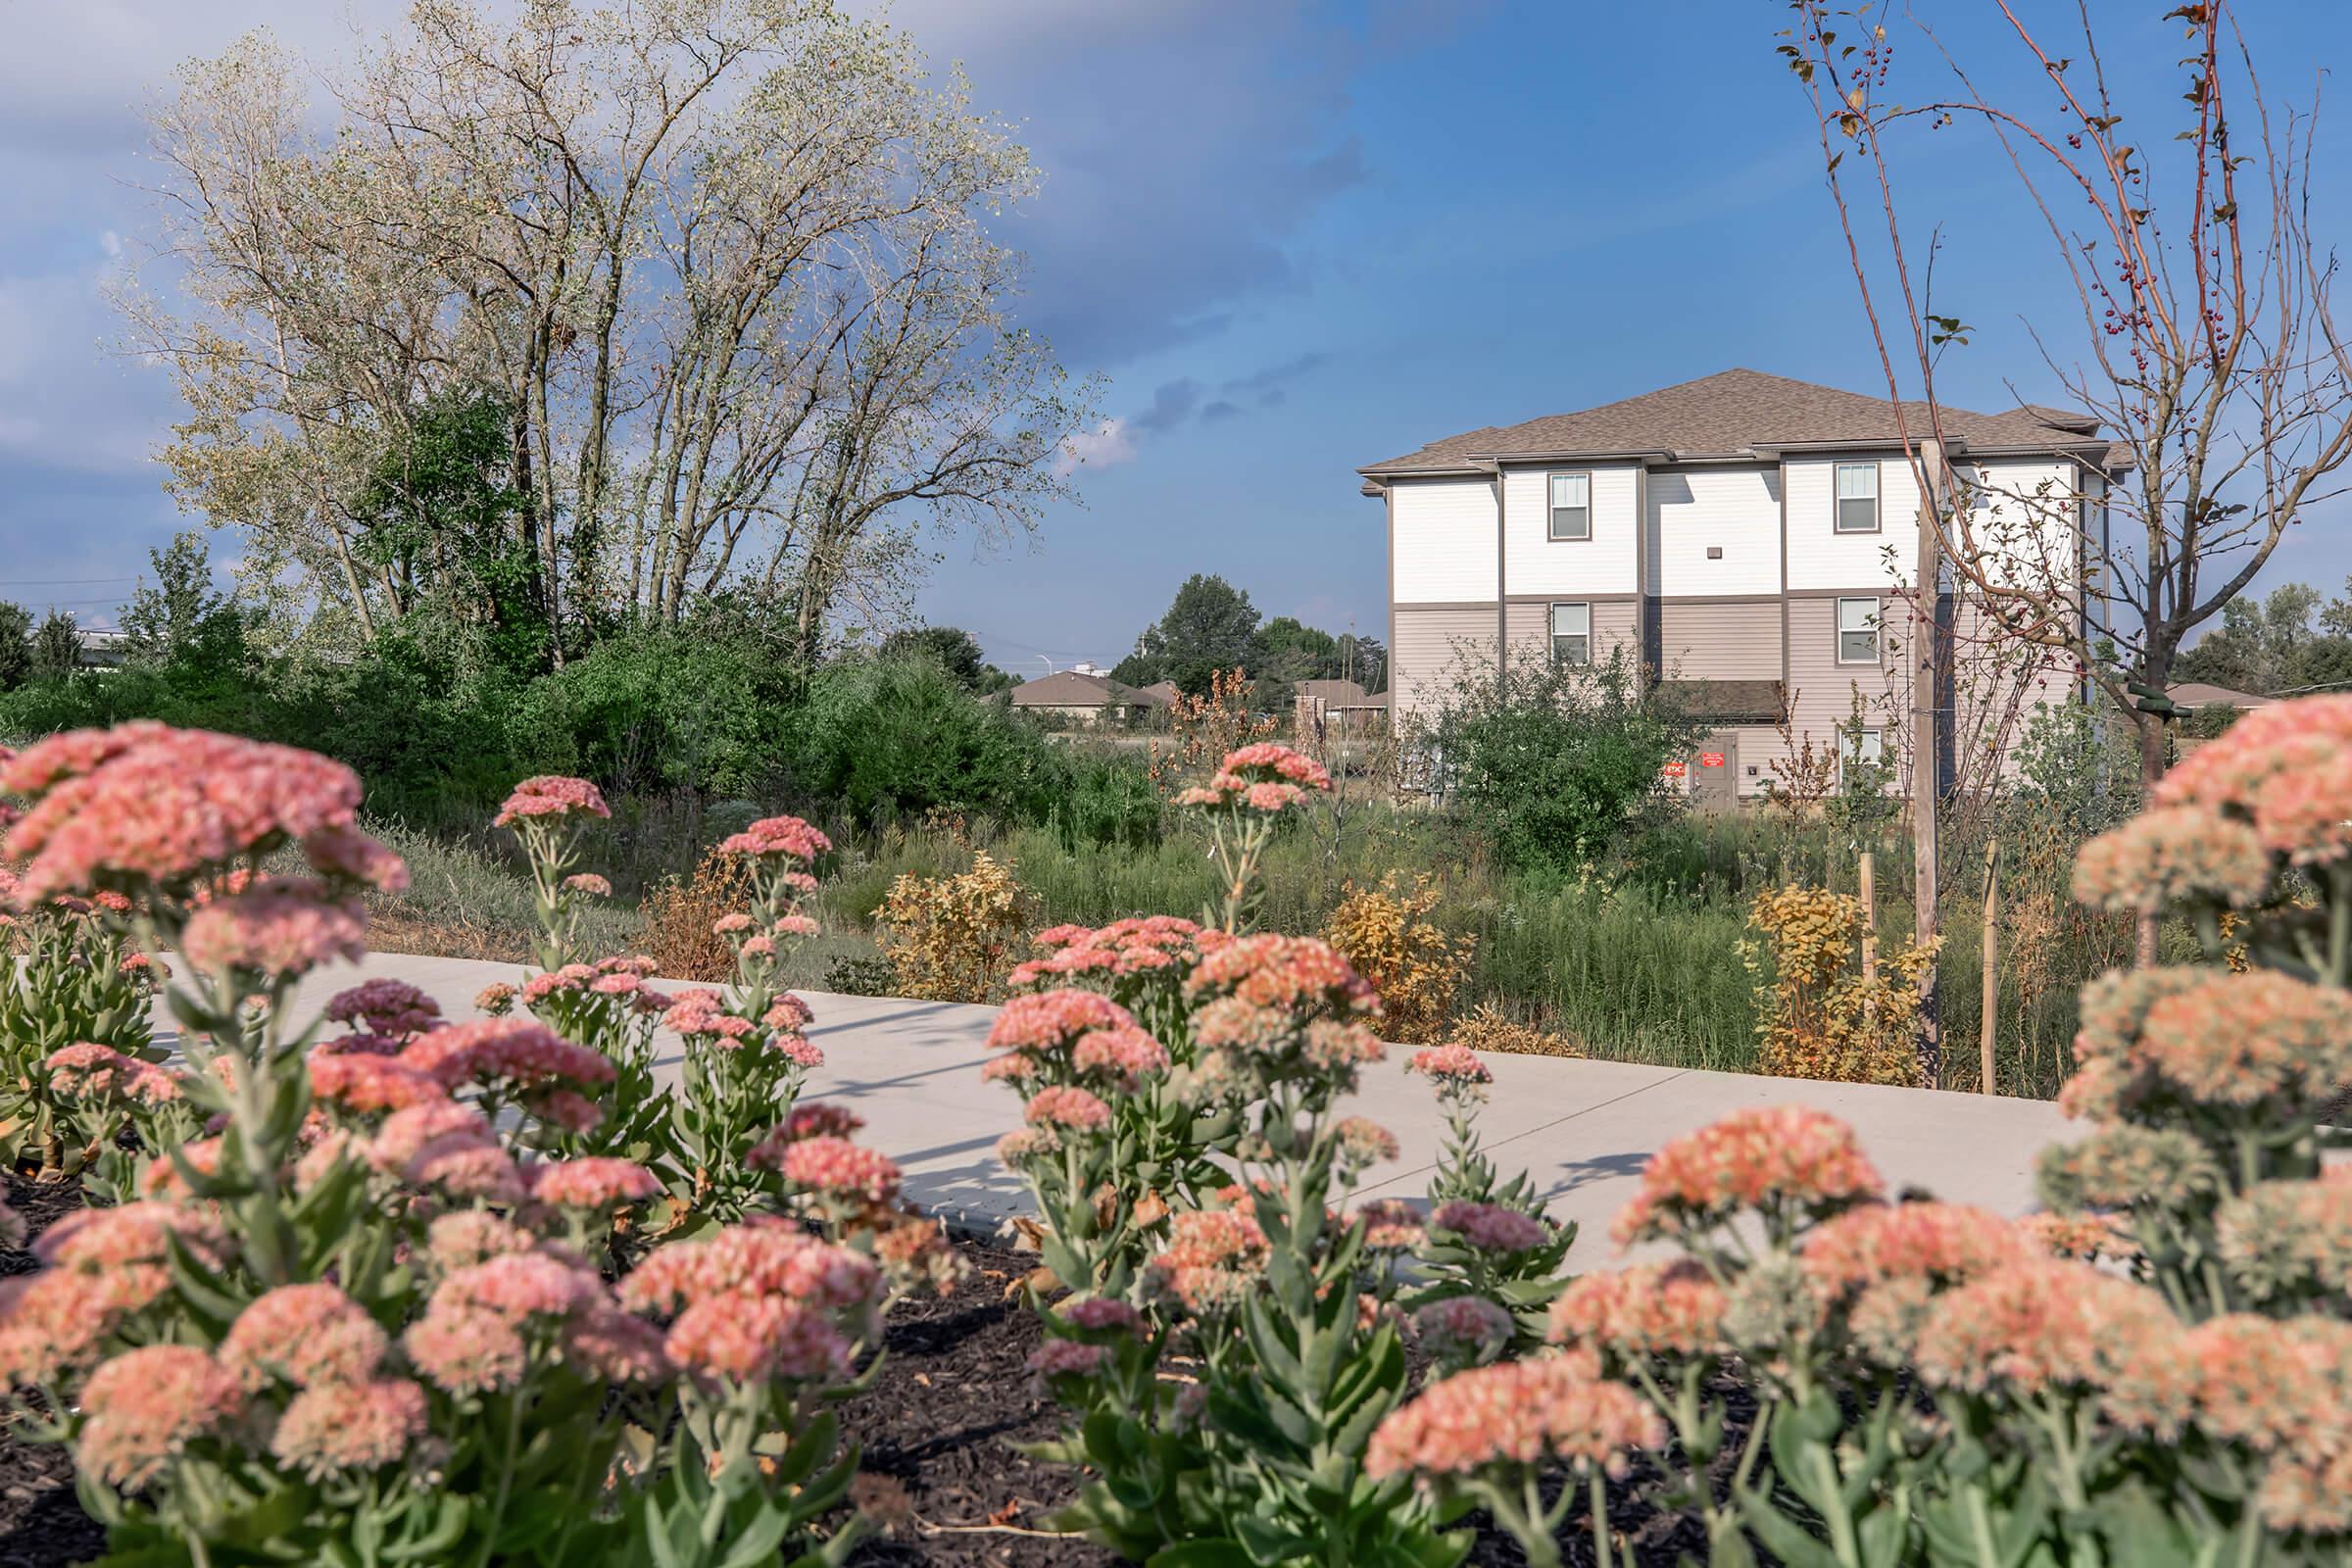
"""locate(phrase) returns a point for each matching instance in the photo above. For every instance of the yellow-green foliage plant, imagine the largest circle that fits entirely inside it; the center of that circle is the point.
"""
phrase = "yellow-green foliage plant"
(955, 938)
(1818, 1017)
(1414, 964)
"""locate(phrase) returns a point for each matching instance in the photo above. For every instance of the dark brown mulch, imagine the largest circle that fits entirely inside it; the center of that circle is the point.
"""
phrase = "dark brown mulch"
(945, 1417)
(42, 1521)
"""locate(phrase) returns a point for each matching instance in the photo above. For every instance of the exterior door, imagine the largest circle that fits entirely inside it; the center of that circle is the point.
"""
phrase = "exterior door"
(1715, 775)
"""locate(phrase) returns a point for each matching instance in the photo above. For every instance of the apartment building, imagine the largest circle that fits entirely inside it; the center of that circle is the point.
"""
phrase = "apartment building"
(1748, 537)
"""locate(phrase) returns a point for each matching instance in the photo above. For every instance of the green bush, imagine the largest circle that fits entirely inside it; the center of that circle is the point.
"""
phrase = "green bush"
(1555, 764)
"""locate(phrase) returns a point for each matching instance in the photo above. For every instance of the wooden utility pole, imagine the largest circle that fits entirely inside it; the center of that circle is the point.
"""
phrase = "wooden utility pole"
(1992, 960)
(1926, 665)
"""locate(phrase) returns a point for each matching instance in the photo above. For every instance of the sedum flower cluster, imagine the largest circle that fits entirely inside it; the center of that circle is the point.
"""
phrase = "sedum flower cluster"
(390, 1294)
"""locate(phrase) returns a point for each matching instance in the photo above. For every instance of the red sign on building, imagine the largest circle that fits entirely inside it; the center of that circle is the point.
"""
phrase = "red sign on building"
(1675, 770)
(1710, 759)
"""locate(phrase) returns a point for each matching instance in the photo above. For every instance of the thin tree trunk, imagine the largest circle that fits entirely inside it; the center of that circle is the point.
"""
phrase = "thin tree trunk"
(2152, 771)
(1927, 663)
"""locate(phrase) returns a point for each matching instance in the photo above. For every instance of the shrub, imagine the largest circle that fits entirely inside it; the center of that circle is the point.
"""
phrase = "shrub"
(1491, 1031)
(1818, 1017)
(952, 938)
(680, 916)
(1554, 764)
(1415, 966)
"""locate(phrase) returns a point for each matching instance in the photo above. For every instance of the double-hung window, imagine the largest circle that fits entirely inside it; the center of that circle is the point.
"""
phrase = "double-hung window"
(1857, 498)
(1572, 634)
(1571, 506)
(1858, 631)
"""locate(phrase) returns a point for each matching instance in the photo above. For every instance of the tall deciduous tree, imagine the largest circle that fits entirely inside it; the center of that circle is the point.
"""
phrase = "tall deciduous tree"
(16, 646)
(2206, 344)
(164, 618)
(722, 264)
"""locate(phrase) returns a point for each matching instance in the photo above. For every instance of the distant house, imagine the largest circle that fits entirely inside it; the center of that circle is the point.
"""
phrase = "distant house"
(1344, 703)
(1164, 693)
(2191, 695)
(1090, 699)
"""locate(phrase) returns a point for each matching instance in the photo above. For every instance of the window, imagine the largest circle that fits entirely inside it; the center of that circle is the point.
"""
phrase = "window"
(1572, 634)
(1572, 505)
(1858, 631)
(1860, 749)
(1857, 498)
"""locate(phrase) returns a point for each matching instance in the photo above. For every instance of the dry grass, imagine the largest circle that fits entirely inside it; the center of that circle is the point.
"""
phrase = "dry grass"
(680, 913)
(1490, 1029)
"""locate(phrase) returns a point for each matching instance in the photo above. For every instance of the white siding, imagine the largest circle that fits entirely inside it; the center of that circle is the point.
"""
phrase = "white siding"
(2023, 522)
(1736, 510)
(1820, 557)
(1534, 563)
(1444, 541)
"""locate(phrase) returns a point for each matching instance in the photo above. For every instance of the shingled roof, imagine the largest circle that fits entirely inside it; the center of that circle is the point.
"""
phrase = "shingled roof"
(1737, 413)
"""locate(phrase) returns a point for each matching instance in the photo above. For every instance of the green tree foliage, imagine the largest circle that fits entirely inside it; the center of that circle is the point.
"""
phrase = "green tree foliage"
(442, 523)
(16, 646)
(1211, 627)
(1553, 765)
(166, 619)
(2287, 642)
(55, 646)
(953, 650)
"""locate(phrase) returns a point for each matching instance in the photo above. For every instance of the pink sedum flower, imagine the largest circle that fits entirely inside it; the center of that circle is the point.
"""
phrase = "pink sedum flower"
(785, 838)
(467, 1350)
(822, 1163)
(1655, 1309)
(304, 1334)
(758, 1339)
(1516, 1413)
(512, 1050)
(146, 802)
(1779, 1154)
(143, 1408)
(337, 1429)
(1066, 1106)
(1066, 1359)
(346, 853)
(592, 1182)
(1490, 1227)
(1450, 1068)
(385, 1007)
(274, 927)
(549, 795)
(1462, 1326)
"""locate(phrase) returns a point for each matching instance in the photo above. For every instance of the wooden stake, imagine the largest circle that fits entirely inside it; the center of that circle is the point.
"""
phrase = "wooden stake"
(1868, 870)
(1992, 960)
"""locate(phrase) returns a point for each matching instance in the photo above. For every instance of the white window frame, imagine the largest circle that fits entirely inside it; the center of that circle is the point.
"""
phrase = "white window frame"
(1874, 627)
(1552, 624)
(1867, 746)
(1552, 506)
(1838, 498)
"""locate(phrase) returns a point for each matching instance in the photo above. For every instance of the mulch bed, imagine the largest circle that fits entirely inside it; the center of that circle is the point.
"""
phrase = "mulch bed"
(944, 1418)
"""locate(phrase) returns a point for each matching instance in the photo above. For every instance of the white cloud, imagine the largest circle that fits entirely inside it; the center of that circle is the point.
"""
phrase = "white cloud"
(1105, 446)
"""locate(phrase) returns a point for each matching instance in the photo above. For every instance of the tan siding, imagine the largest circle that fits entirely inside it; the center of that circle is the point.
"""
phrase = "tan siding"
(1719, 641)
(1822, 690)
(1431, 646)
(1612, 625)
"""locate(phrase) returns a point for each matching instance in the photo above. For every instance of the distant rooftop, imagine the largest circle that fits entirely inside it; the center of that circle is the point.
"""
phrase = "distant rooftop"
(1741, 414)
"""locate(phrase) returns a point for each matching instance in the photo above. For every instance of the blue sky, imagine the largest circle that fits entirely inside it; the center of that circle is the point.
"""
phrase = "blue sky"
(1293, 237)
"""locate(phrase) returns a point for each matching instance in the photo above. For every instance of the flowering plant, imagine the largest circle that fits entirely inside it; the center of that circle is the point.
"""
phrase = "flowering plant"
(2159, 1369)
(356, 1322)
(69, 977)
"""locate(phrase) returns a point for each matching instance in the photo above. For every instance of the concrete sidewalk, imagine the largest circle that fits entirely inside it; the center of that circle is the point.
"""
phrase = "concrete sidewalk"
(1583, 1129)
